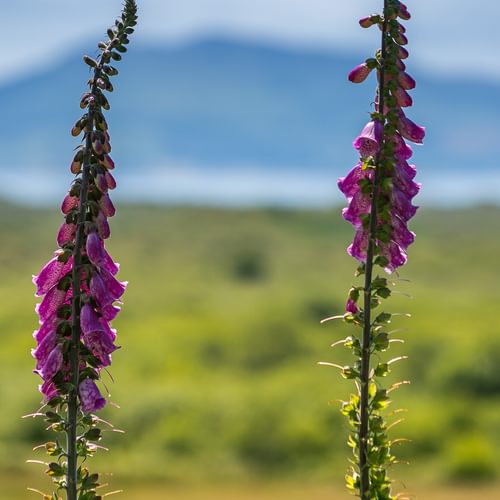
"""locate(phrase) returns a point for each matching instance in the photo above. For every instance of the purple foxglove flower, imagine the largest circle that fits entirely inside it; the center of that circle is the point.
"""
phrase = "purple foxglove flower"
(410, 130)
(368, 142)
(395, 255)
(351, 306)
(69, 203)
(106, 205)
(368, 21)
(52, 364)
(47, 327)
(403, 179)
(90, 397)
(48, 389)
(359, 73)
(51, 302)
(116, 288)
(359, 245)
(66, 233)
(102, 226)
(101, 183)
(406, 81)
(89, 321)
(402, 204)
(110, 312)
(97, 147)
(401, 234)
(44, 348)
(109, 264)
(403, 12)
(107, 162)
(99, 291)
(409, 171)
(110, 180)
(401, 39)
(402, 97)
(100, 345)
(402, 150)
(400, 65)
(360, 204)
(50, 275)
(95, 249)
(403, 53)
(349, 185)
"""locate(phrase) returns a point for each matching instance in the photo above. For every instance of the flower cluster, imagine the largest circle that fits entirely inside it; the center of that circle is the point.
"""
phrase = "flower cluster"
(383, 169)
(81, 294)
(379, 189)
(99, 292)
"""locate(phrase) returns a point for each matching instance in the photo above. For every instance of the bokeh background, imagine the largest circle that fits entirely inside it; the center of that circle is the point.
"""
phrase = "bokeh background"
(230, 123)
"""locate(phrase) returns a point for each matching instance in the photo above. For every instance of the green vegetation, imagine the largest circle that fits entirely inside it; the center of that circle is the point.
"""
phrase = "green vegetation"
(218, 379)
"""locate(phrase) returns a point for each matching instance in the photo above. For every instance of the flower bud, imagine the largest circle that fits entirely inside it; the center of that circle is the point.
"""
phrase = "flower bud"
(359, 73)
(368, 21)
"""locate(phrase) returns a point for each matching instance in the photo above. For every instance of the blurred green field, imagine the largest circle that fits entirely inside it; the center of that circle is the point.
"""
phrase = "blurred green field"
(217, 379)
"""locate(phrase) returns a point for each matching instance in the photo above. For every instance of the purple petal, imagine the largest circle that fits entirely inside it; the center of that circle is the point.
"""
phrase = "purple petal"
(349, 185)
(48, 389)
(351, 306)
(95, 249)
(410, 130)
(100, 345)
(89, 321)
(368, 142)
(359, 73)
(44, 348)
(115, 288)
(102, 226)
(402, 204)
(69, 203)
(395, 255)
(50, 275)
(360, 204)
(51, 302)
(53, 363)
(359, 246)
(101, 183)
(107, 206)
(401, 234)
(90, 397)
(47, 327)
(110, 180)
(66, 233)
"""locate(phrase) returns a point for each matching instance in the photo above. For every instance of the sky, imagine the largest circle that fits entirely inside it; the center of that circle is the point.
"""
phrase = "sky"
(444, 40)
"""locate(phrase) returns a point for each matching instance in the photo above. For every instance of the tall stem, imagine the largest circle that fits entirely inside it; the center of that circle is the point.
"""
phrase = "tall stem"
(367, 327)
(71, 433)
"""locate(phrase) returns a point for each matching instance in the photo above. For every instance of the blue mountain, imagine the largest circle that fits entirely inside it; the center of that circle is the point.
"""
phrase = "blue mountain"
(224, 104)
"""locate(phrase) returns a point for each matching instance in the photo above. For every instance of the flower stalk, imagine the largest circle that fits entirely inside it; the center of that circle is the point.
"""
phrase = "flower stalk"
(79, 289)
(379, 190)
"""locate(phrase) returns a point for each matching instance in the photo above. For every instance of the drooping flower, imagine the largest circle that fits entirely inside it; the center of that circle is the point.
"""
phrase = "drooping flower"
(90, 397)
(368, 142)
(382, 148)
(359, 73)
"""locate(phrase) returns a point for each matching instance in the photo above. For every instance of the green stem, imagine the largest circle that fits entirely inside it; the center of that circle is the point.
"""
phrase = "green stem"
(71, 433)
(364, 467)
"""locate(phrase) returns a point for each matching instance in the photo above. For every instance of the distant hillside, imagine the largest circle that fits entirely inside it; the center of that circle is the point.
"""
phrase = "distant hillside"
(224, 104)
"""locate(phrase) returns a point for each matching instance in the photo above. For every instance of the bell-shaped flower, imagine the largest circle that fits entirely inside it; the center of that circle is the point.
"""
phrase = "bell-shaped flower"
(369, 141)
(66, 234)
(90, 398)
(359, 73)
(50, 274)
(410, 130)
(349, 185)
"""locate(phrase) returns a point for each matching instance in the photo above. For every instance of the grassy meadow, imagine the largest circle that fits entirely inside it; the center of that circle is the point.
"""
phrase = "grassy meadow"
(217, 384)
